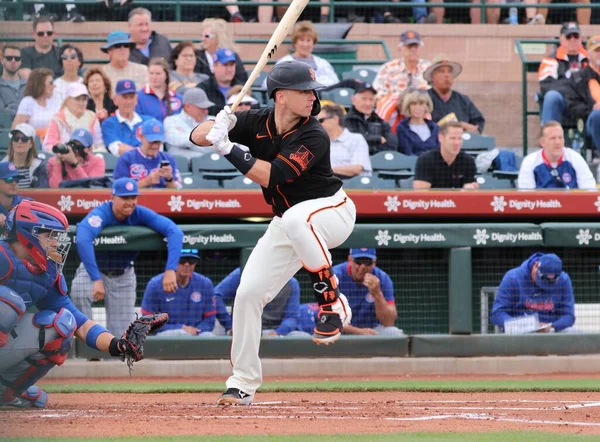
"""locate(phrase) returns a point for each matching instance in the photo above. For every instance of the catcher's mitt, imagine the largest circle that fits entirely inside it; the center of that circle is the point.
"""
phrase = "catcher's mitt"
(131, 344)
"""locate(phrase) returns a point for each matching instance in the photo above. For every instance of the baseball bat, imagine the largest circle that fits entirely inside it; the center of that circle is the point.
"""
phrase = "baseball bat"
(283, 28)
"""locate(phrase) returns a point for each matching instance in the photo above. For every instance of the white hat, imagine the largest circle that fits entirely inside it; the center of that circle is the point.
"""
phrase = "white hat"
(25, 129)
(246, 100)
(76, 90)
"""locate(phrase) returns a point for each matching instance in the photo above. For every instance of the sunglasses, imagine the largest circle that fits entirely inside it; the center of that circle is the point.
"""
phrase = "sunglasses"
(45, 33)
(548, 277)
(572, 36)
(67, 57)
(120, 45)
(12, 57)
(320, 120)
(363, 261)
(11, 179)
(209, 35)
(21, 139)
(188, 260)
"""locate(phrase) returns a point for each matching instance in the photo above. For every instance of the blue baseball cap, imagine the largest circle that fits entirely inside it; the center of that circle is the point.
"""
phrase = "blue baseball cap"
(550, 265)
(125, 187)
(153, 130)
(363, 253)
(115, 38)
(190, 253)
(125, 87)
(8, 170)
(224, 56)
(84, 136)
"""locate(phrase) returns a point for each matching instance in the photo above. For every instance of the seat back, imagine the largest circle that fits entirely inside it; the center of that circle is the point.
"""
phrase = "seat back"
(477, 142)
(370, 183)
(182, 164)
(392, 160)
(341, 96)
(110, 161)
(364, 75)
(198, 182)
(6, 119)
(491, 182)
(240, 182)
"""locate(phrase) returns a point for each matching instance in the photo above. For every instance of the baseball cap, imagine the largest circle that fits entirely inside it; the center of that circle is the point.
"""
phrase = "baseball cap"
(224, 56)
(8, 170)
(115, 38)
(84, 136)
(197, 97)
(125, 87)
(362, 86)
(77, 90)
(593, 43)
(190, 253)
(410, 38)
(363, 253)
(153, 130)
(25, 129)
(550, 266)
(125, 187)
(569, 28)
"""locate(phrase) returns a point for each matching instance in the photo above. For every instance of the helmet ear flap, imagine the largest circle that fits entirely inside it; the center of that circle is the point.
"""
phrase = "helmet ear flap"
(316, 109)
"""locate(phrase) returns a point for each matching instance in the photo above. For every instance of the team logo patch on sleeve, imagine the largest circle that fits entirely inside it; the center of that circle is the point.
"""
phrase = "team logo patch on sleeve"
(196, 297)
(302, 157)
(95, 221)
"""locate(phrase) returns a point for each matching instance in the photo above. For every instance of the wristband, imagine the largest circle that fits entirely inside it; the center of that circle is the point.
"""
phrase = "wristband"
(242, 161)
(113, 348)
(92, 335)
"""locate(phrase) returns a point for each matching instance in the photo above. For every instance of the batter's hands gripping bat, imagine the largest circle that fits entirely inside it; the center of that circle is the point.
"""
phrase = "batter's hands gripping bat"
(283, 28)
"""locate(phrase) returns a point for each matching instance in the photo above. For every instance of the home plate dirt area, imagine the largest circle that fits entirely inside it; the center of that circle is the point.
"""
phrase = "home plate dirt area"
(100, 414)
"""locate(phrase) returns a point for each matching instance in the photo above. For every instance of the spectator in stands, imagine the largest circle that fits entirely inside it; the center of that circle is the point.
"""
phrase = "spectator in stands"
(192, 308)
(151, 167)
(148, 43)
(119, 131)
(38, 106)
(183, 58)
(118, 47)
(12, 84)
(349, 151)
(556, 69)
(247, 102)
(396, 76)
(43, 53)
(370, 293)
(266, 13)
(362, 119)
(215, 35)
(110, 276)
(554, 166)
(583, 15)
(100, 89)
(217, 86)
(449, 104)
(304, 39)
(71, 13)
(71, 61)
(156, 99)
(540, 287)
(447, 167)
(280, 315)
(417, 134)
(9, 187)
(78, 160)
(23, 154)
(178, 127)
(72, 116)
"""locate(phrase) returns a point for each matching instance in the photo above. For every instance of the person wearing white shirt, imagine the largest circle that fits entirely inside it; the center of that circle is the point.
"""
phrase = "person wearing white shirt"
(349, 151)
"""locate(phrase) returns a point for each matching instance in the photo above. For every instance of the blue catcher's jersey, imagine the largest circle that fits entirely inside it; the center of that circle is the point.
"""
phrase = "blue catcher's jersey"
(46, 290)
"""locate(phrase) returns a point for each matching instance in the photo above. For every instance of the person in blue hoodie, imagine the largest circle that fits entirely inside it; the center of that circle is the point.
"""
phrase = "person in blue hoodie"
(538, 286)
(415, 133)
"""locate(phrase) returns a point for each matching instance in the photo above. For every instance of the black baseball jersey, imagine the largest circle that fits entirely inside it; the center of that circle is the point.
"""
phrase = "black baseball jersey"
(432, 168)
(302, 155)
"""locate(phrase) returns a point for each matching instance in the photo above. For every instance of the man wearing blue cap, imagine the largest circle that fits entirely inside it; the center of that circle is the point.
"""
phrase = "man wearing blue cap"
(110, 276)
(537, 287)
(192, 309)
(118, 47)
(9, 186)
(120, 131)
(147, 164)
(216, 86)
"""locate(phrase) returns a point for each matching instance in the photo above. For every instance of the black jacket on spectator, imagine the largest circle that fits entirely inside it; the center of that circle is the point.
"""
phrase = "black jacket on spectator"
(409, 143)
(565, 64)
(460, 104)
(213, 93)
(159, 47)
(577, 94)
(372, 128)
(108, 105)
(202, 67)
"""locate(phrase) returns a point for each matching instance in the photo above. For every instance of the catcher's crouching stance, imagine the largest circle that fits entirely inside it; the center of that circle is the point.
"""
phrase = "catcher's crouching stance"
(32, 253)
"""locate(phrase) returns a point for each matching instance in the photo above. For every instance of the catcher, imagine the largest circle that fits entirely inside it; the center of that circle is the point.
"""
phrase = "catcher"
(32, 254)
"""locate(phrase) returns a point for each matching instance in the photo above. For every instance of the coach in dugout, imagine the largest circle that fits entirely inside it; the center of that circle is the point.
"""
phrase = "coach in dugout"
(110, 276)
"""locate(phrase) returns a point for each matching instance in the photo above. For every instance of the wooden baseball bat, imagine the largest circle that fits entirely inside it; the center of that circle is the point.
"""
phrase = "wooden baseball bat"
(283, 28)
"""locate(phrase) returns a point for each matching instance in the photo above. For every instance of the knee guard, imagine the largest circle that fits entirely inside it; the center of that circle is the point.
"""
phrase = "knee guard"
(12, 308)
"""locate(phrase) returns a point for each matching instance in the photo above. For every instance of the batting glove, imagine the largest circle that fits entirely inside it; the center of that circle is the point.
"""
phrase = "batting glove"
(219, 137)
(226, 118)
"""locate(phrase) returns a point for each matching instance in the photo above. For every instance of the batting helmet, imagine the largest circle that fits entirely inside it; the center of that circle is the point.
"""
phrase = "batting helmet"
(294, 75)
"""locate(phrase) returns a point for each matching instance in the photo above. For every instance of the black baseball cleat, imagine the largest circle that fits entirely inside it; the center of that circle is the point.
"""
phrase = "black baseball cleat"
(235, 396)
(332, 319)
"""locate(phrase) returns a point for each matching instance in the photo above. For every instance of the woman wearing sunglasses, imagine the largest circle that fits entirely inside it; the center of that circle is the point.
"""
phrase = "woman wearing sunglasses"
(24, 156)
(71, 61)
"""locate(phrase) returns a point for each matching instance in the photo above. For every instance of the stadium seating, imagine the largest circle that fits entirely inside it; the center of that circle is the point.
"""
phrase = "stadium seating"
(240, 182)
(392, 164)
(183, 165)
(110, 162)
(341, 96)
(4, 141)
(198, 182)
(369, 183)
(365, 75)
(5, 120)
(491, 182)
(474, 143)
(213, 166)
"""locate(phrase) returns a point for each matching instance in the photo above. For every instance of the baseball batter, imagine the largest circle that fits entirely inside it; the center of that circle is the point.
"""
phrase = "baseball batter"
(289, 157)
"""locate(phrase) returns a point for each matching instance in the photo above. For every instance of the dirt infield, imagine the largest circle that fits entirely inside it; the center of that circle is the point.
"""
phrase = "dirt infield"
(95, 415)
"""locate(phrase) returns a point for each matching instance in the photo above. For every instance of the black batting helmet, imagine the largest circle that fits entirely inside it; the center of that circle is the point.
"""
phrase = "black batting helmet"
(294, 75)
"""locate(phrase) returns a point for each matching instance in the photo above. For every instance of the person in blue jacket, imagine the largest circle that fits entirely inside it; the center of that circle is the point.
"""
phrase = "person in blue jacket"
(416, 134)
(280, 315)
(191, 308)
(110, 276)
(538, 286)
(9, 187)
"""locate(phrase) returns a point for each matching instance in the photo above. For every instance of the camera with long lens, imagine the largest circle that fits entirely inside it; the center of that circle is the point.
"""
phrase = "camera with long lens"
(64, 148)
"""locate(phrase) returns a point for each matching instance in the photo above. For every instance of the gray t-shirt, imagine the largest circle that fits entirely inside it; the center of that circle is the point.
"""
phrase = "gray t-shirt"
(32, 59)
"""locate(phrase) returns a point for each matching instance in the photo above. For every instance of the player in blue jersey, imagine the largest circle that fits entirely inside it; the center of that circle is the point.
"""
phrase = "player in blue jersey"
(9, 186)
(191, 308)
(538, 286)
(110, 276)
(555, 166)
(32, 254)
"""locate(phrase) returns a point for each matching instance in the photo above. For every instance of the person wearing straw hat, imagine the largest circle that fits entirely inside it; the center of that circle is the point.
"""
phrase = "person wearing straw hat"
(118, 47)
(448, 104)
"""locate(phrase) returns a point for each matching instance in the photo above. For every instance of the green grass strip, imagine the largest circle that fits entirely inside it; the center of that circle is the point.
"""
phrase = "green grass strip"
(501, 385)
(501, 436)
